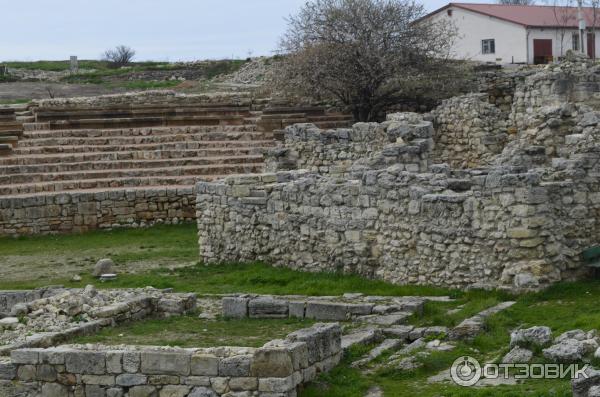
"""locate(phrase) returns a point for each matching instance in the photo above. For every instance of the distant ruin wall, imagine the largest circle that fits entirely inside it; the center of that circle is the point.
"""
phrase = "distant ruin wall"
(402, 227)
(69, 212)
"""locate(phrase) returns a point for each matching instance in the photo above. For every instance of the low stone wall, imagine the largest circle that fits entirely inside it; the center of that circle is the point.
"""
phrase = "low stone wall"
(495, 228)
(354, 307)
(75, 212)
(275, 370)
(78, 318)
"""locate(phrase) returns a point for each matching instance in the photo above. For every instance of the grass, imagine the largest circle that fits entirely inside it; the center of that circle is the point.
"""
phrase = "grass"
(14, 101)
(190, 331)
(59, 66)
(562, 307)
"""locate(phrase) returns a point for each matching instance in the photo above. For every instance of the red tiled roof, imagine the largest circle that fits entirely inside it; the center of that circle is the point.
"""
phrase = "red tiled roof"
(533, 16)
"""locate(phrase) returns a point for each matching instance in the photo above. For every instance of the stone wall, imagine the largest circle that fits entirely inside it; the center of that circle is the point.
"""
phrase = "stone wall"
(405, 138)
(469, 131)
(478, 228)
(74, 212)
(275, 370)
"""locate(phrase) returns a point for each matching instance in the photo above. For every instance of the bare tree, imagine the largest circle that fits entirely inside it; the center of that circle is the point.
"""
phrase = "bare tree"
(365, 53)
(119, 56)
(517, 2)
(565, 17)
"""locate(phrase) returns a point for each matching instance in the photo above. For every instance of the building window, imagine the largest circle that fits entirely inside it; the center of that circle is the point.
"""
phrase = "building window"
(488, 46)
(575, 44)
(449, 13)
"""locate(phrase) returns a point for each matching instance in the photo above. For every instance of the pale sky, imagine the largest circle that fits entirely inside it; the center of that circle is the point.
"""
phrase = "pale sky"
(162, 30)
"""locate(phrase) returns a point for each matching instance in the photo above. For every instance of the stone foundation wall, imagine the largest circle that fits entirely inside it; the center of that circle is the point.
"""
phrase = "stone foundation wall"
(463, 228)
(69, 212)
(274, 370)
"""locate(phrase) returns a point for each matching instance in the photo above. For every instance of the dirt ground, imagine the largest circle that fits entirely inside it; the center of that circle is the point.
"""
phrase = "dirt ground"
(39, 90)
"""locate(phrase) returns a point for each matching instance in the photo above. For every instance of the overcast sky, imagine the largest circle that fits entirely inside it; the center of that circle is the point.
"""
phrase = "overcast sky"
(162, 30)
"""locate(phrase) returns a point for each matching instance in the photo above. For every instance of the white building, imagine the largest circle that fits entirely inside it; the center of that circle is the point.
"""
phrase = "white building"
(518, 34)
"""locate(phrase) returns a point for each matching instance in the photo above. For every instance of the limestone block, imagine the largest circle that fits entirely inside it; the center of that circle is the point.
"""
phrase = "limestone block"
(165, 363)
(235, 307)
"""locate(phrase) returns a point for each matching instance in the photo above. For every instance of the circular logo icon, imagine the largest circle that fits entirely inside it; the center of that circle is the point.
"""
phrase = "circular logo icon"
(465, 371)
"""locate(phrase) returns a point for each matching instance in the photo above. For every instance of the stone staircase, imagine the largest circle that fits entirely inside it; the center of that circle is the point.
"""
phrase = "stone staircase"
(279, 117)
(74, 148)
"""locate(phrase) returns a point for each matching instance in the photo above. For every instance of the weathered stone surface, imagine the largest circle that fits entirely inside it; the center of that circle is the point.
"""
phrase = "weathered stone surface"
(83, 362)
(165, 363)
(517, 355)
(235, 307)
(238, 366)
(143, 391)
(272, 362)
(202, 392)
(267, 307)
(531, 337)
(131, 379)
(103, 266)
(205, 365)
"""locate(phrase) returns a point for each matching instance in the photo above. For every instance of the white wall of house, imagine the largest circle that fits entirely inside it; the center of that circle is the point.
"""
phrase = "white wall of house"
(510, 38)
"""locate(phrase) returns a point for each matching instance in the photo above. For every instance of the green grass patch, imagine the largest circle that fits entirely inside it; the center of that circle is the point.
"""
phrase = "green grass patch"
(14, 101)
(190, 331)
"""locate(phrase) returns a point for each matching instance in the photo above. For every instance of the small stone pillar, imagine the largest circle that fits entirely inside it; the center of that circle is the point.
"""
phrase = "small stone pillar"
(74, 64)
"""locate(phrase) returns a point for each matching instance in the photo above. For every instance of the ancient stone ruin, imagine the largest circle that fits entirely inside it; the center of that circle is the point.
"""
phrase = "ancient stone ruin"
(78, 164)
(472, 194)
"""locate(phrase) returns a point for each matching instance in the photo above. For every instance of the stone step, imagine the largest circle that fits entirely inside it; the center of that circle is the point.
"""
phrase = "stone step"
(25, 119)
(120, 182)
(91, 133)
(312, 110)
(11, 126)
(9, 139)
(5, 149)
(17, 133)
(143, 122)
(157, 105)
(183, 145)
(132, 155)
(71, 115)
(120, 165)
(138, 140)
(250, 165)
(100, 184)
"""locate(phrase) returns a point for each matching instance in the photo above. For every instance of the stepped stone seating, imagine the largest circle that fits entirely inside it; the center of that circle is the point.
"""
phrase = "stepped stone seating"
(141, 116)
(79, 167)
(277, 118)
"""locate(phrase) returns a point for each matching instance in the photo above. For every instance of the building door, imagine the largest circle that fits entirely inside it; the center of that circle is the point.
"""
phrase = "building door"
(591, 45)
(542, 51)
